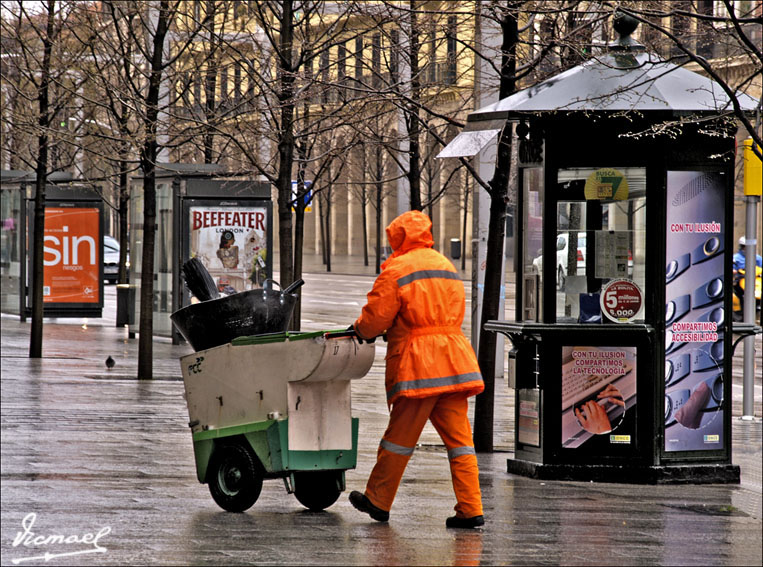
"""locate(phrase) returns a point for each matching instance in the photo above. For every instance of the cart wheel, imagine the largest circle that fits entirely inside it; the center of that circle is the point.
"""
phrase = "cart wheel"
(317, 490)
(234, 479)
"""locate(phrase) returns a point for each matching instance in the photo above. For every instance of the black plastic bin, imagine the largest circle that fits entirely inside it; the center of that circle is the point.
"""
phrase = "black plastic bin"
(455, 248)
(216, 322)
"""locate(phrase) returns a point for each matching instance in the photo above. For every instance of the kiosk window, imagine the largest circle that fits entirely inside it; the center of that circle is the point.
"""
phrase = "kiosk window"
(600, 221)
(532, 244)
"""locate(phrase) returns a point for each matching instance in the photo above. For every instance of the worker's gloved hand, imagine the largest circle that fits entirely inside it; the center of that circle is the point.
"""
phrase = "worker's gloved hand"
(359, 338)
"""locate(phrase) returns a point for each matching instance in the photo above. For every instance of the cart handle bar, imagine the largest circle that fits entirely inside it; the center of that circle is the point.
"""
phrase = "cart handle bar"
(351, 333)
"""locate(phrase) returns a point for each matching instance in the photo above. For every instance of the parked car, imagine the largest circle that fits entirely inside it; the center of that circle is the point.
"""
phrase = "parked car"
(561, 258)
(111, 259)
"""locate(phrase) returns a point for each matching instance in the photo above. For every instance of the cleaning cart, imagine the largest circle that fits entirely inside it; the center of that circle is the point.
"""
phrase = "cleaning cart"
(275, 406)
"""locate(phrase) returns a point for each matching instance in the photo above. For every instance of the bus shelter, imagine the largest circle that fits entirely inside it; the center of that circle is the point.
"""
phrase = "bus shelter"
(622, 339)
(205, 213)
(73, 246)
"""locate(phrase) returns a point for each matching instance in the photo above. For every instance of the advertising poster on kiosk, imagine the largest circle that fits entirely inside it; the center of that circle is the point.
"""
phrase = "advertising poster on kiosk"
(231, 242)
(72, 255)
(694, 278)
(598, 396)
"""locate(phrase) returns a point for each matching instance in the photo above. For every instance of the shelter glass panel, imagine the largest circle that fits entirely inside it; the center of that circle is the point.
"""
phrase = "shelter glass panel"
(532, 248)
(600, 237)
(162, 303)
(10, 249)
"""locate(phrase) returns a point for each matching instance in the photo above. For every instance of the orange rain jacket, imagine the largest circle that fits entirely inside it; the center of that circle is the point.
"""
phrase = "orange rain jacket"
(418, 300)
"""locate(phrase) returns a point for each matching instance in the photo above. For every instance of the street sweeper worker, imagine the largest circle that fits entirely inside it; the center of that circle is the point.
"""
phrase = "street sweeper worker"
(431, 370)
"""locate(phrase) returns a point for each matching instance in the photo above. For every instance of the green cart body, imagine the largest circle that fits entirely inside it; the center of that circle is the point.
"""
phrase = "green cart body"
(275, 406)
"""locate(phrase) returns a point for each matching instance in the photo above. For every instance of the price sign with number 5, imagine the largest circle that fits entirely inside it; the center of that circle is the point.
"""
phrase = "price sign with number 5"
(621, 300)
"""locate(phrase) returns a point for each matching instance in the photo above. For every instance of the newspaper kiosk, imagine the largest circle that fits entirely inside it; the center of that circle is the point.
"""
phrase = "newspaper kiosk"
(621, 358)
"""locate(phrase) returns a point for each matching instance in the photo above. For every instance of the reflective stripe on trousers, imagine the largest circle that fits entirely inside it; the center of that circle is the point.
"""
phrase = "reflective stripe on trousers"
(448, 414)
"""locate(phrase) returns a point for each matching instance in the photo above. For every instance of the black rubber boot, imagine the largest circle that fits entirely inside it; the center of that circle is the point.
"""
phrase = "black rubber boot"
(466, 523)
(362, 503)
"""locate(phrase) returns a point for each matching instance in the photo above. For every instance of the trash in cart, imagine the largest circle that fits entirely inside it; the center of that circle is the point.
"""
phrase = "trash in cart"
(275, 406)
(217, 320)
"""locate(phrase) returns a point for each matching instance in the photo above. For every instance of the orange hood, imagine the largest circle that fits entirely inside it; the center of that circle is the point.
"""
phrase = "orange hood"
(412, 229)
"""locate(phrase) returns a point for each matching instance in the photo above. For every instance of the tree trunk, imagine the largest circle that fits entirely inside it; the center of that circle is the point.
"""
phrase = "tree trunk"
(379, 187)
(148, 155)
(414, 128)
(35, 338)
(463, 228)
(123, 214)
(321, 214)
(327, 192)
(363, 202)
(484, 402)
(146, 320)
(299, 223)
(286, 143)
(299, 239)
(210, 85)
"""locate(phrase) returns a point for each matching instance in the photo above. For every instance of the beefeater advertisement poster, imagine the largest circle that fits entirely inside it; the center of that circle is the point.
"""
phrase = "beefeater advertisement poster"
(231, 242)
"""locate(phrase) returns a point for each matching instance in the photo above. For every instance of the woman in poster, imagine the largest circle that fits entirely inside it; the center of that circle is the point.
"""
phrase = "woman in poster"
(228, 253)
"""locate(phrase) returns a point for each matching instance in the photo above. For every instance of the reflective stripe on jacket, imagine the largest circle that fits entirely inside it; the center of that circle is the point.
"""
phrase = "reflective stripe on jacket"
(418, 300)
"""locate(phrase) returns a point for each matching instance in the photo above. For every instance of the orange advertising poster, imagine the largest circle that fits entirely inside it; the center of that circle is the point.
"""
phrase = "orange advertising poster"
(72, 256)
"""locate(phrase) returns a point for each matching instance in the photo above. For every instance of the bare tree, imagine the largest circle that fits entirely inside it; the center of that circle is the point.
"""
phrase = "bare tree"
(41, 172)
(144, 27)
(484, 404)
(281, 39)
(291, 110)
(722, 43)
(359, 192)
(36, 70)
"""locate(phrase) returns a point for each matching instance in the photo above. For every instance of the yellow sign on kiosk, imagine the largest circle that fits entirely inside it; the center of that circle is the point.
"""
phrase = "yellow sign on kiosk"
(606, 184)
(753, 181)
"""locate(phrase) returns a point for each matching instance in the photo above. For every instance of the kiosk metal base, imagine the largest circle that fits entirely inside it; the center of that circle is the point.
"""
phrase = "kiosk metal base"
(630, 474)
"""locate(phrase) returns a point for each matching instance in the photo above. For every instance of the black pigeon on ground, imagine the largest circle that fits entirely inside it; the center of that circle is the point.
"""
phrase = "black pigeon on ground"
(110, 362)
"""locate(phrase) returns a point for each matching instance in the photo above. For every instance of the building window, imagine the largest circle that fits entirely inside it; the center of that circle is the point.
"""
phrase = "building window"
(546, 35)
(223, 85)
(394, 41)
(432, 40)
(237, 81)
(681, 27)
(325, 75)
(745, 8)
(250, 81)
(341, 67)
(705, 36)
(450, 75)
(581, 32)
(197, 89)
(376, 59)
(359, 59)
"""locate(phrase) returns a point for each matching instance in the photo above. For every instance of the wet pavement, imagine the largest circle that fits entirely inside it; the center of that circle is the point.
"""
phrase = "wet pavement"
(93, 454)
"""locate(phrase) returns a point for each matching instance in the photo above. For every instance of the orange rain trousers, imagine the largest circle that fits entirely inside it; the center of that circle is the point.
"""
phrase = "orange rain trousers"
(448, 414)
